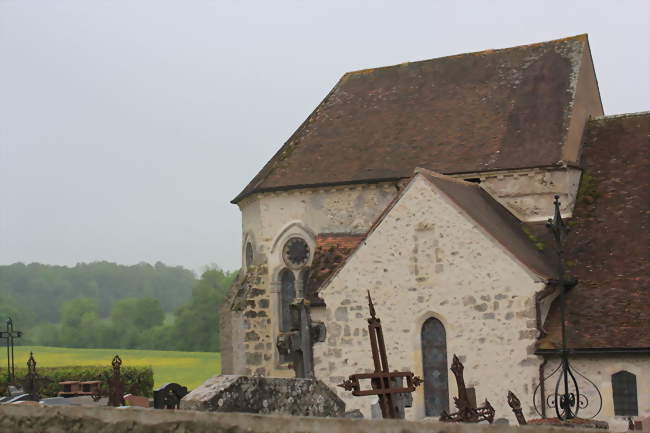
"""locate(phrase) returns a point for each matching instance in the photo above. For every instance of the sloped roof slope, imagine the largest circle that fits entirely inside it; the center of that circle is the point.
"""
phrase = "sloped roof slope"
(491, 110)
(609, 249)
(332, 250)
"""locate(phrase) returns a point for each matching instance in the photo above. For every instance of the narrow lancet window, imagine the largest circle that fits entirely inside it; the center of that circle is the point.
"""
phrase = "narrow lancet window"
(624, 393)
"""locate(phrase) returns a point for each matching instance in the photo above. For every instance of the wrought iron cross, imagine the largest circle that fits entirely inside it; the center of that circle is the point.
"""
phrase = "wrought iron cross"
(387, 385)
(300, 340)
(32, 382)
(115, 384)
(566, 398)
(9, 334)
(466, 412)
(515, 405)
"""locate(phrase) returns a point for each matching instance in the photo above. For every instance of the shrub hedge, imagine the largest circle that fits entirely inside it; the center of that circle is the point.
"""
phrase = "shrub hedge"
(137, 380)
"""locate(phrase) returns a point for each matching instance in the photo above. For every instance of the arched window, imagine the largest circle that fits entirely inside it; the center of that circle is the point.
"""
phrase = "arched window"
(434, 366)
(287, 295)
(624, 392)
(249, 254)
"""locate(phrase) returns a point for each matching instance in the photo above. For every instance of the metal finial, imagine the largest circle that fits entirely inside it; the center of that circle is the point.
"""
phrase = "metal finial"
(31, 362)
(117, 362)
(371, 306)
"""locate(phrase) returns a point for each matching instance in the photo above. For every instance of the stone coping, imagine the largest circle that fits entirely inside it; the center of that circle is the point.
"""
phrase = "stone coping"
(30, 419)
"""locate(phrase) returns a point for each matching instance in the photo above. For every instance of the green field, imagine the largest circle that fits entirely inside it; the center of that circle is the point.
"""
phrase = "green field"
(187, 368)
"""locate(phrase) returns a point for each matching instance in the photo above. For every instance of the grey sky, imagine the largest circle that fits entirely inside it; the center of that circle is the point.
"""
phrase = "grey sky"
(126, 127)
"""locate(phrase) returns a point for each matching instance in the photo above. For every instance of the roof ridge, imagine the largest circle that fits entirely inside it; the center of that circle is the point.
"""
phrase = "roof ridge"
(427, 172)
(621, 115)
(581, 36)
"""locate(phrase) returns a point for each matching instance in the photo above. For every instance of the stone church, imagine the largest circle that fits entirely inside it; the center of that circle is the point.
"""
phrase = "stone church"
(428, 183)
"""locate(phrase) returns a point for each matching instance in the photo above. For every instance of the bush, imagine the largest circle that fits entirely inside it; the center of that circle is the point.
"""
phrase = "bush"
(137, 380)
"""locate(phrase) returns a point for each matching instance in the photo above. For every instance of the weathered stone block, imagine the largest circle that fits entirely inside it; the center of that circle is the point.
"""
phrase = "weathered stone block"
(266, 395)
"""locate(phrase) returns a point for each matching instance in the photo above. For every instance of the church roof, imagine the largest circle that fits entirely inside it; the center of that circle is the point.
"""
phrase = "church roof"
(332, 250)
(491, 110)
(610, 241)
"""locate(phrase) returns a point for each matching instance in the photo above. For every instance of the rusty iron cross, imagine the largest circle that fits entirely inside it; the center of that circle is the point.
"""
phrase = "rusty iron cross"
(387, 385)
(515, 405)
(466, 411)
(115, 384)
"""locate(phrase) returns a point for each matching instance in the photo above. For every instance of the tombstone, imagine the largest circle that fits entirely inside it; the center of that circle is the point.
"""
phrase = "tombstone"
(169, 396)
(27, 403)
(18, 398)
(354, 414)
(265, 395)
(136, 400)
(12, 391)
(297, 343)
(70, 388)
(58, 401)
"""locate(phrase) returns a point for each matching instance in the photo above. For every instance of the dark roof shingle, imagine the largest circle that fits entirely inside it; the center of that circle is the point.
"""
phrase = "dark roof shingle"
(609, 245)
(492, 110)
(332, 250)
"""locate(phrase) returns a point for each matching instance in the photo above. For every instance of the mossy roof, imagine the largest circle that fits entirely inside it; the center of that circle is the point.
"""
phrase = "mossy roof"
(609, 244)
(491, 110)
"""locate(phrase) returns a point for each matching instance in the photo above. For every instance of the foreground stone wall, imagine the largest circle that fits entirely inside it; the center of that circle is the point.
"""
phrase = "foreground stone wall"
(28, 419)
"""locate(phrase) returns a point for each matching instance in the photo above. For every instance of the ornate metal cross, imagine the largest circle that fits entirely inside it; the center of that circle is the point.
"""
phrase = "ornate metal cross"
(387, 385)
(9, 334)
(567, 400)
(32, 382)
(300, 340)
(466, 412)
(115, 384)
(515, 405)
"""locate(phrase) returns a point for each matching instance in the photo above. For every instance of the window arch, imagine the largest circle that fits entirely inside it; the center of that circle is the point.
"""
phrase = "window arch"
(287, 295)
(624, 393)
(433, 338)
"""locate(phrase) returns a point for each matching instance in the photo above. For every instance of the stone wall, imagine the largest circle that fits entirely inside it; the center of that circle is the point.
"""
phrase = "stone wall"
(427, 259)
(29, 419)
(269, 220)
(599, 369)
(528, 194)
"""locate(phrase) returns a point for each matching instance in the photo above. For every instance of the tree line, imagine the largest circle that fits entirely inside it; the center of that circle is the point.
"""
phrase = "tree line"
(105, 305)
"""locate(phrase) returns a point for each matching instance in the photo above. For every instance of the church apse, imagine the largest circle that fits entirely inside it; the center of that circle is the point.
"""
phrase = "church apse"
(274, 226)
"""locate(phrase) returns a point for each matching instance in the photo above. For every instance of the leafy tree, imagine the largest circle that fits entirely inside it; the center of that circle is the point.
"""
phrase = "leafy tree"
(196, 325)
(137, 313)
(42, 289)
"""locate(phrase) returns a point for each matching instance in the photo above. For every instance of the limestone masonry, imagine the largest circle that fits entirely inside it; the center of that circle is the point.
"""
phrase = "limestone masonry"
(428, 184)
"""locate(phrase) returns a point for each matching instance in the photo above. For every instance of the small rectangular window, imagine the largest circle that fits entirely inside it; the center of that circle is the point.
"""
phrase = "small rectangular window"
(624, 393)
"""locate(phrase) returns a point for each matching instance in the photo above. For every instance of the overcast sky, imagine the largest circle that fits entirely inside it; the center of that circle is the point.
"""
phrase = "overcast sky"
(126, 127)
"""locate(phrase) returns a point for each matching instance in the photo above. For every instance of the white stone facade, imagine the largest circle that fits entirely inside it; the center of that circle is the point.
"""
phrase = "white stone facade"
(426, 259)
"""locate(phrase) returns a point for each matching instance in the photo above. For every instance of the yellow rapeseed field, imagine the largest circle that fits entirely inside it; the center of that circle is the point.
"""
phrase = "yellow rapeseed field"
(187, 368)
